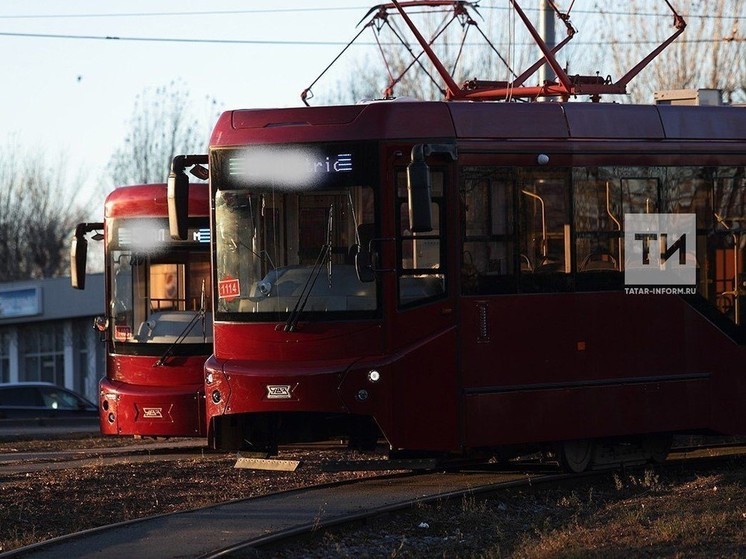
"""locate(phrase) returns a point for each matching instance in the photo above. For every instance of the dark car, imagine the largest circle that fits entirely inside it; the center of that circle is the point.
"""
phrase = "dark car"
(32, 400)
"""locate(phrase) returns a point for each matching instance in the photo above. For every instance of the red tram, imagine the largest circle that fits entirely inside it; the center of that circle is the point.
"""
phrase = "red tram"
(468, 279)
(452, 275)
(158, 323)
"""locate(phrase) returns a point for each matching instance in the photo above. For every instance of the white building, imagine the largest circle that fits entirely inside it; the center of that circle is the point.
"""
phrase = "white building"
(46, 333)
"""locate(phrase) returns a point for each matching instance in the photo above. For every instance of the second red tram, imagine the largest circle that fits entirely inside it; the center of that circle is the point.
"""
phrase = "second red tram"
(457, 277)
(158, 321)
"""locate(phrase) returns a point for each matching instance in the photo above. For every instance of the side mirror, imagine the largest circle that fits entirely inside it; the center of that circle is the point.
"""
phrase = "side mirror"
(78, 260)
(178, 192)
(419, 188)
(419, 192)
(79, 253)
(178, 201)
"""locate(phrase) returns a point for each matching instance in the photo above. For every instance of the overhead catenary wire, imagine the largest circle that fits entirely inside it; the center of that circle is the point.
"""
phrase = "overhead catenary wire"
(318, 9)
(296, 42)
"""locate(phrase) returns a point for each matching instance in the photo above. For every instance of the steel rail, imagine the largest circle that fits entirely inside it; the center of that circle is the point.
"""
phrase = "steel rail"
(218, 530)
(351, 518)
(224, 528)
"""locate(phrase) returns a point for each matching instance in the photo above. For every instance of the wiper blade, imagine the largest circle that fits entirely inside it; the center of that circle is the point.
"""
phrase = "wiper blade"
(326, 251)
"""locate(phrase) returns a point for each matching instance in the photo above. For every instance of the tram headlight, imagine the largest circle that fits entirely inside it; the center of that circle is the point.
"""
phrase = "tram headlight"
(374, 375)
(216, 396)
(209, 378)
(362, 395)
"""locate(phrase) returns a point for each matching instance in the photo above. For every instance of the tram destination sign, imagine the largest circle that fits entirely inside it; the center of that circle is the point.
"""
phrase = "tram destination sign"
(148, 235)
(290, 167)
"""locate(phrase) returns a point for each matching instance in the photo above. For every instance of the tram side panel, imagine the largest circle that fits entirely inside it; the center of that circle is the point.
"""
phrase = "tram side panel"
(605, 365)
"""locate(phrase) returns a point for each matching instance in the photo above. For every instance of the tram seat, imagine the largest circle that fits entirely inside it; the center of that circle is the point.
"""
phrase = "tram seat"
(550, 264)
(526, 264)
(598, 261)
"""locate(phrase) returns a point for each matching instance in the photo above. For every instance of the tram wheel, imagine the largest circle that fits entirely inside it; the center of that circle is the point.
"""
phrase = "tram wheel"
(575, 456)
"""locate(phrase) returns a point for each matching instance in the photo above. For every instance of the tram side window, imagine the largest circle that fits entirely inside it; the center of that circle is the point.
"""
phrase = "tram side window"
(723, 273)
(488, 262)
(544, 230)
(599, 221)
(420, 254)
(688, 190)
(601, 198)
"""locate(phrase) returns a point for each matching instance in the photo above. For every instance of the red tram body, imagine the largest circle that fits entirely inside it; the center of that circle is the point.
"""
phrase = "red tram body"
(158, 324)
(485, 305)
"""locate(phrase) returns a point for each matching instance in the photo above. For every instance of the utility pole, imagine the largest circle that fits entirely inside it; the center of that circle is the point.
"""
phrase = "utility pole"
(546, 30)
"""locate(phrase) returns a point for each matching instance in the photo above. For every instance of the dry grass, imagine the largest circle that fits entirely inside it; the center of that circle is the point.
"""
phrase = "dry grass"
(675, 511)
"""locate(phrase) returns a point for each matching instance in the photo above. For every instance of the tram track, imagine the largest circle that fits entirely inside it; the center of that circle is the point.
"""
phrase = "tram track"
(227, 528)
(29, 461)
(241, 526)
(36, 461)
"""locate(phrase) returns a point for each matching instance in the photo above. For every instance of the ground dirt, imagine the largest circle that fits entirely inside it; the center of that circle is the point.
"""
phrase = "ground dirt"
(680, 509)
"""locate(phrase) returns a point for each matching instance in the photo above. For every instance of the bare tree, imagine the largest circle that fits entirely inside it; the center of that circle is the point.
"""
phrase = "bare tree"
(162, 125)
(708, 55)
(37, 214)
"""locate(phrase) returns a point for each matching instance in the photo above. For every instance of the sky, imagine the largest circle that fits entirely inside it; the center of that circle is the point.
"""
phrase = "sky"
(75, 96)
(66, 90)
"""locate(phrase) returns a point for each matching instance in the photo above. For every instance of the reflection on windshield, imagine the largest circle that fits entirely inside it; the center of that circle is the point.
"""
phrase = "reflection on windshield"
(158, 296)
(271, 249)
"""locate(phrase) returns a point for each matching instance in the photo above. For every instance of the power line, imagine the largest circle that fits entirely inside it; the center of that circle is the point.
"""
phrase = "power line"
(318, 43)
(178, 14)
(170, 40)
(335, 9)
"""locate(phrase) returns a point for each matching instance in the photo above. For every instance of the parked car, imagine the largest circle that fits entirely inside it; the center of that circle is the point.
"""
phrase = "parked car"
(42, 400)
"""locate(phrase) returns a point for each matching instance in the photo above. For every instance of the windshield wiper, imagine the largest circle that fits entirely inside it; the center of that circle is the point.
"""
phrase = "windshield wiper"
(187, 329)
(326, 251)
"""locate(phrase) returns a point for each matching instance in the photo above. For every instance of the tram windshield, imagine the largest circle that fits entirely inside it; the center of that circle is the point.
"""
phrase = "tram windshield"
(159, 287)
(290, 224)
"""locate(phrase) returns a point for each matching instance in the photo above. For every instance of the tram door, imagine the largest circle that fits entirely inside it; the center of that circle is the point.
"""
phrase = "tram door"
(421, 304)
